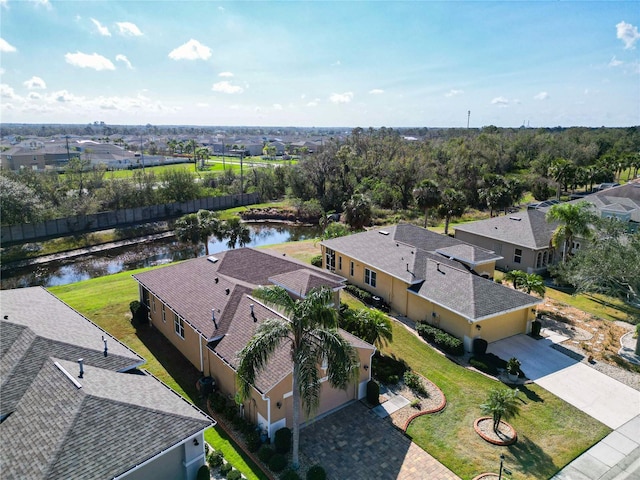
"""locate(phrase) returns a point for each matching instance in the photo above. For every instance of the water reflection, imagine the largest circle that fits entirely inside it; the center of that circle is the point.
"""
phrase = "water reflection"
(145, 254)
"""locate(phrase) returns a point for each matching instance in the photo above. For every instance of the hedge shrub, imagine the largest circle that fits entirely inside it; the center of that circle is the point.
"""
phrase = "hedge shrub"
(215, 459)
(373, 392)
(218, 402)
(253, 441)
(277, 462)
(265, 453)
(225, 468)
(234, 475)
(440, 338)
(203, 473)
(282, 440)
(388, 369)
(317, 261)
(290, 475)
(316, 473)
(360, 294)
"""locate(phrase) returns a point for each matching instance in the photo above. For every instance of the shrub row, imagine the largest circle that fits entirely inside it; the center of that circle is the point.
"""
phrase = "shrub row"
(442, 339)
(388, 369)
(360, 294)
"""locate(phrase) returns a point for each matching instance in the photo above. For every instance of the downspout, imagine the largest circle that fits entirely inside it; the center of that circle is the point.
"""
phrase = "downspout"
(201, 362)
(268, 400)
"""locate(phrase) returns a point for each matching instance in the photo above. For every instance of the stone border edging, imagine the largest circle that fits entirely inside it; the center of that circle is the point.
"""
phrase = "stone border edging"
(255, 459)
(491, 440)
(427, 412)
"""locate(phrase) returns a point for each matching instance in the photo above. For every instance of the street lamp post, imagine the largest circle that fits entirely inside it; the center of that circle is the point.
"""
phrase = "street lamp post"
(501, 461)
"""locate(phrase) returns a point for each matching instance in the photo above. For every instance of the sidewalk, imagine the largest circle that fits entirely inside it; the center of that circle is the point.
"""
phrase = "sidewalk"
(616, 457)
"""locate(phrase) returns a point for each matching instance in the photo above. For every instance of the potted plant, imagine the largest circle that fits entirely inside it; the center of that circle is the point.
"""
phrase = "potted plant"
(513, 368)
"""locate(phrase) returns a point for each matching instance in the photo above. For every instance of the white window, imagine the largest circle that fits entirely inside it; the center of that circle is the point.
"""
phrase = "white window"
(517, 257)
(164, 314)
(370, 277)
(153, 304)
(178, 324)
(330, 259)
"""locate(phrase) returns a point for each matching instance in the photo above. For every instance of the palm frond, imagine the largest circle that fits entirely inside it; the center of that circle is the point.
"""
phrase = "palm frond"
(276, 297)
(342, 359)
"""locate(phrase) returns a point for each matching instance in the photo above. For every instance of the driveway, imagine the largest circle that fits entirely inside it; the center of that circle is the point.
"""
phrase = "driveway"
(605, 399)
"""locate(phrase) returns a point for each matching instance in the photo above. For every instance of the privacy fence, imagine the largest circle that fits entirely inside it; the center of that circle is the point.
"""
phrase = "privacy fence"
(79, 224)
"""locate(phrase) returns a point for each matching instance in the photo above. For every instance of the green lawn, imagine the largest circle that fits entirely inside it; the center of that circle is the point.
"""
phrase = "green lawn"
(105, 301)
(551, 432)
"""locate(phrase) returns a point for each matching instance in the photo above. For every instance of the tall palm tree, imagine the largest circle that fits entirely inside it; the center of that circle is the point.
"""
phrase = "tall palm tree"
(501, 403)
(236, 233)
(198, 227)
(527, 282)
(370, 325)
(426, 196)
(452, 204)
(357, 211)
(312, 333)
(575, 219)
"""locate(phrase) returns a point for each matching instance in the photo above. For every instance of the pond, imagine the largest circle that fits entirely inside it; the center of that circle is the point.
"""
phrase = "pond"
(140, 255)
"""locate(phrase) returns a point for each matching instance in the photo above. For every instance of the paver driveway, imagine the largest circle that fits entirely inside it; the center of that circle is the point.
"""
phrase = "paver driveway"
(356, 444)
(605, 399)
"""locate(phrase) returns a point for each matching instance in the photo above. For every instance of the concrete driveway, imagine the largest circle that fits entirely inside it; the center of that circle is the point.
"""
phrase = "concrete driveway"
(605, 399)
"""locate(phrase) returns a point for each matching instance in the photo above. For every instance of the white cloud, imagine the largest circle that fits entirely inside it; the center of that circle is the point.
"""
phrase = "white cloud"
(541, 96)
(7, 92)
(501, 101)
(221, 9)
(336, 63)
(313, 103)
(628, 34)
(102, 30)
(453, 93)
(226, 87)
(4, 3)
(34, 83)
(192, 50)
(128, 29)
(376, 91)
(277, 106)
(34, 96)
(345, 97)
(63, 96)
(202, 105)
(225, 74)
(42, 3)
(84, 60)
(615, 62)
(6, 47)
(125, 60)
(2, 71)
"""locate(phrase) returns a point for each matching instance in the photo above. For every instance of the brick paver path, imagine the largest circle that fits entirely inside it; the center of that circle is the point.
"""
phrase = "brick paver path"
(355, 444)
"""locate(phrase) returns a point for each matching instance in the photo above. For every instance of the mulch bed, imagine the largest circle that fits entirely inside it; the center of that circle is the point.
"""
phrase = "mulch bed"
(506, 433)
(432, 403)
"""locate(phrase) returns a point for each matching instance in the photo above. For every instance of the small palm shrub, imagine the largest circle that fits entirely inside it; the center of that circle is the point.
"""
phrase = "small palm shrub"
(277, 463)
(215, 459)
(414, 382)
(513, 366)
(373, 392)
(225, 468)
(316, 473)
(501, 403)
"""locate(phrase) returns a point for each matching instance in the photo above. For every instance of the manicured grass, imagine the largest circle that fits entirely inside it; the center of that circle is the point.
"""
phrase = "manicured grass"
(551, 432)
(105, 301)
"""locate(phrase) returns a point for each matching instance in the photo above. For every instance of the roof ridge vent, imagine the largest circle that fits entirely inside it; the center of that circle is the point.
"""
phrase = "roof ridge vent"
(517, 219)
(68, 375)
(383, 232)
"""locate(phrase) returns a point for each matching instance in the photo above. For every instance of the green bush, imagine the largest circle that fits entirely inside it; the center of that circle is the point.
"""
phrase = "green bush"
(253, 441)
(218, 402)
(215, 459)
(230, 412)
(203, 473)
(277, 462)
(317, 261)
(388, 369)
(414, 382)
(290, 475)
(138, 312)
(316, 473)
(234, 475)
(225, 468)
(373, 392)
(441, 339)
(360, 294)
(282, 440)
(265, 453)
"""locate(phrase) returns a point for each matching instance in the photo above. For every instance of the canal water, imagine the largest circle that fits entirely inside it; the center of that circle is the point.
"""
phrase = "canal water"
(140, 255)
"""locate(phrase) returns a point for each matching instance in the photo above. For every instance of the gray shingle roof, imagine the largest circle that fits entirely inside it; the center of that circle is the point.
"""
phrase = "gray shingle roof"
(191, 289)
(52, 429)
(527, 228)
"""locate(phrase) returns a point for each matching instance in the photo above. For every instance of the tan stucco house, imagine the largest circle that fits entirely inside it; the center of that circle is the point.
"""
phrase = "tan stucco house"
(75, 405)
(205, 308)
(430, 277)
(522, 239)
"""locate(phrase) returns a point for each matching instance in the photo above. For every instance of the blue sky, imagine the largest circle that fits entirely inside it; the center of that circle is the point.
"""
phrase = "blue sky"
(339, 63)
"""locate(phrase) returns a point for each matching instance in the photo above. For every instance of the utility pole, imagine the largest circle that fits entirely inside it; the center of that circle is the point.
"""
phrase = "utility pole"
(241, 178)
(468, 118)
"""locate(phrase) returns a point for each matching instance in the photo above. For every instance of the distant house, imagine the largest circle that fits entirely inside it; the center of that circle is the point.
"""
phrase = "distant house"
(621, 202)
(74, 404)
(522, 239)
(434, 278)
(205, 308)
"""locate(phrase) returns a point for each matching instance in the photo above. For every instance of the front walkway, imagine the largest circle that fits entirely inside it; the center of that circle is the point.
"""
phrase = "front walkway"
(357, 444)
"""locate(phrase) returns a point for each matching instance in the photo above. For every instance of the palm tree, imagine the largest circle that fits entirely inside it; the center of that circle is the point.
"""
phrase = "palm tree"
(357, 211)
(574, 219)
(236, 232)
(501, 403)
(527, 282)
(426, 195)
(187, 230)
(453, 204)
(370, 325)
(198, 227)
(312, 334)
(192, 146)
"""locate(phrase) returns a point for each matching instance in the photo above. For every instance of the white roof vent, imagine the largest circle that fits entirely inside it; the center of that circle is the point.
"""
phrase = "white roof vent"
(383, 232)
(212, 259)
(517, 219)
